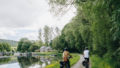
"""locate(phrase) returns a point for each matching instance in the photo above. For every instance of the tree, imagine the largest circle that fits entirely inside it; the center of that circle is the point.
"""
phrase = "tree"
(57, 30)
(19, 48)
(26, 45)
(23, 45)
(34, 47)
(51, 33)
(59, 43)
(40, 34)
(40, 37)
(96, 24)
(5, 47)
(46, 34)
(1, 47)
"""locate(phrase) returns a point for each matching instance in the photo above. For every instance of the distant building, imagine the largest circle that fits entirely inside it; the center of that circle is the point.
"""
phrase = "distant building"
(45, 49)
(17, 54)
(42, 49)
(1, 54)
(48, 49)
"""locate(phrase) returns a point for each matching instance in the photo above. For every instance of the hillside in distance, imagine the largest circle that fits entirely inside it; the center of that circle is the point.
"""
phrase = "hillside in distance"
(11, 42)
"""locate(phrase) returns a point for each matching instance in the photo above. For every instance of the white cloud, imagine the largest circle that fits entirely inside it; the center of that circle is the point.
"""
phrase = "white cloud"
(31, 36)
(20, 13)
(23, 18)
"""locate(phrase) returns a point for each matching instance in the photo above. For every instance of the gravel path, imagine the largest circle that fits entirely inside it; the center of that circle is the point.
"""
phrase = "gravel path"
(79, 63)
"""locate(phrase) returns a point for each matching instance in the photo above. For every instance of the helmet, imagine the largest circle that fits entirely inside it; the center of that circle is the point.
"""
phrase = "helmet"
(65, 49)
(86, 48)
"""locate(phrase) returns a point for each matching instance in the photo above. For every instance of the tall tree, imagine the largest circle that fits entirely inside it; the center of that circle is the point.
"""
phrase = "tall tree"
(34, 47)
(46, 34)
(40, 34)
(23, 45)
(51, 34)
(5, 47)
(100, 23)
(40, 37)
(57, 30)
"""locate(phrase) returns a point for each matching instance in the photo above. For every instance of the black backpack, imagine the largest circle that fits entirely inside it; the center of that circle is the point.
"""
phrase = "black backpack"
(61, 64)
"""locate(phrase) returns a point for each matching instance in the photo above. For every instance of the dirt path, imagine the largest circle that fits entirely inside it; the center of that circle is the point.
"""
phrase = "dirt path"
(79, 63)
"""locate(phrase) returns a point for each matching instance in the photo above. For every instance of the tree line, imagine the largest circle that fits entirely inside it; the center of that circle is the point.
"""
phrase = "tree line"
(26, 45)
(5, 47)
(45, 38)
(96, 25)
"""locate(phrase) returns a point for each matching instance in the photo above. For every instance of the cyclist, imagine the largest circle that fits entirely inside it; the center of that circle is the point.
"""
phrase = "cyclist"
(66, 57)
(86, 54)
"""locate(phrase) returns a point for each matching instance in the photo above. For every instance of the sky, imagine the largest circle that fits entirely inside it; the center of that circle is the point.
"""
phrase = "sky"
(23, 18)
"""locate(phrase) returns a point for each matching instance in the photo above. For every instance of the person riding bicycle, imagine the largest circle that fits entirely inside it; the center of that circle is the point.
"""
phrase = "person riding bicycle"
(66, 57)
(86, 54)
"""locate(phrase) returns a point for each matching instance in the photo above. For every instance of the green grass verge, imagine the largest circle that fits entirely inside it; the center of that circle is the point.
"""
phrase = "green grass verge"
(98, 62)
(73, 60)
(47, 53)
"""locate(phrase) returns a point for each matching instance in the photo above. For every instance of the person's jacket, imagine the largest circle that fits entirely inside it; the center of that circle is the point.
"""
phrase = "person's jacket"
(66, 56)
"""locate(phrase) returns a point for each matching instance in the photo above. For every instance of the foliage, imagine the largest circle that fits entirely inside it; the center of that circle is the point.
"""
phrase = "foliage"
(34, 47)
(98, 62)
(96, 25)
(46, 34)
(25, 45)
(5, 47)
(11, 42)
(25, 62)
(58, 43)
(5, 60)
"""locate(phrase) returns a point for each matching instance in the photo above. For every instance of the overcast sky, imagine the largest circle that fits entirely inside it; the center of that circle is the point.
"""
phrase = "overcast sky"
(23, 18)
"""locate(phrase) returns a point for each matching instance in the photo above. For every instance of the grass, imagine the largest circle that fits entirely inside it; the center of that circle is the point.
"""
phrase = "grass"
(55, 64)
(47, 53)
(98, 62)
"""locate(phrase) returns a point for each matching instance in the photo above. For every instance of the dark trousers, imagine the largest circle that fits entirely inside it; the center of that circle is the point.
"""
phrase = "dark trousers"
(87, 59)
(67, 64)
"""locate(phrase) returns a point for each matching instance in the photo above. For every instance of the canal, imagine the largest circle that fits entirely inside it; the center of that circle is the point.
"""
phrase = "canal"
(27, 62)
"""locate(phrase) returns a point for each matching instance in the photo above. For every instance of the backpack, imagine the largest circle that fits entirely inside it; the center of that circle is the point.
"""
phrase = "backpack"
(61, 64)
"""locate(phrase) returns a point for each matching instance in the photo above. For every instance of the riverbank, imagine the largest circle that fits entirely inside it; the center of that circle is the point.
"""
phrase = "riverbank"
(73, 60)
(106, 62)
(5, 57)
(48, 53)
(34, 54)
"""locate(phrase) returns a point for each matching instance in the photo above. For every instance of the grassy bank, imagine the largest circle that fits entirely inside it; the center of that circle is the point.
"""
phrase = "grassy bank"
(55, 64)
(48, 53)
(98, 62)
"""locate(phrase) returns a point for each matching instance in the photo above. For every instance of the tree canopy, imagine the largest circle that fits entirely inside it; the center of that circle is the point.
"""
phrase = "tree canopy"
(5, 47)
(96, 25)
(26, 45)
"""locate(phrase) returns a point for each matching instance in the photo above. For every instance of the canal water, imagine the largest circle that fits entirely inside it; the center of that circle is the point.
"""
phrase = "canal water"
(27, 62)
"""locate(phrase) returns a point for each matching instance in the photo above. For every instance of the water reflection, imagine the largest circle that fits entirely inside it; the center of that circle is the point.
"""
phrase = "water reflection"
(26, 62)
(33, 62)
(4, 60)
(42, 61)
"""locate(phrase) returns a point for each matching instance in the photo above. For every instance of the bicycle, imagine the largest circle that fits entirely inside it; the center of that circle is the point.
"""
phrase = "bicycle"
(85, 63)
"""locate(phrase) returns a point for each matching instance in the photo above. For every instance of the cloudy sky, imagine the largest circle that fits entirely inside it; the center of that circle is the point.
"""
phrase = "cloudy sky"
(23, 18)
